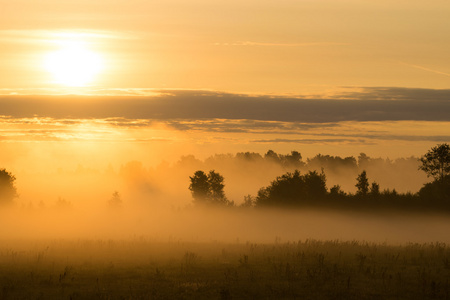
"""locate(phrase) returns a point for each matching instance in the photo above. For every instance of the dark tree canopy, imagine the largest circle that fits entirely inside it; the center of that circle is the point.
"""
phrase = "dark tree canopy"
(208, 189)
(199, 186)
(362, 184)
(363, 160)
(249, 156)
(216, 187)
(375, 189)
(436, 162)
(332, 162)
(436, 191)
(272, 156)
(336, 192)
(292, 160)
(8, 190)
(293, 189)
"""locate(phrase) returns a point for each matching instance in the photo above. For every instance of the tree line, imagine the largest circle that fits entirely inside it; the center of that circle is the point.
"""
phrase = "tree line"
(294, 189)
(297, 189)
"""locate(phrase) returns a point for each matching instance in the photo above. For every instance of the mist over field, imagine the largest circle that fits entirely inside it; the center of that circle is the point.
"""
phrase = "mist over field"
(224, 149)
(104, 206)
(78, 174)
(154, 203)
(229, 226)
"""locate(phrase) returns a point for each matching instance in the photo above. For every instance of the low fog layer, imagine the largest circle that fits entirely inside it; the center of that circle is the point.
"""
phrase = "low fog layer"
(207, 225)
(135, 200)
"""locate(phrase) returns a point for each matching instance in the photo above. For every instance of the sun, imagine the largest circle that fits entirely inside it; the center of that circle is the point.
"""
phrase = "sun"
(73, 64)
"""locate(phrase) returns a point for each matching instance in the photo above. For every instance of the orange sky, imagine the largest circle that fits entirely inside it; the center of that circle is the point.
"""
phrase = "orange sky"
(209, 56)
(235, 46)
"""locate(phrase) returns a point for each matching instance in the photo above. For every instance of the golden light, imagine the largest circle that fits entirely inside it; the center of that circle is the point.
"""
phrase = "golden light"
(73, 64)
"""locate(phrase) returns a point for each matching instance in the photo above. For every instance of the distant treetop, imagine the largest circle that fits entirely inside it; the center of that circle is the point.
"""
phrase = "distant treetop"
(436, 162)
(8, 190)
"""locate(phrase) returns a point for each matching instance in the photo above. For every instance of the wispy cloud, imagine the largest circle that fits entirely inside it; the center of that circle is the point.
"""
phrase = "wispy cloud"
(425, 69)
(310, 141)
(273, 44)
(41, 35)
(82, 91)
(358, 139)
(247, 126)
(143, 130)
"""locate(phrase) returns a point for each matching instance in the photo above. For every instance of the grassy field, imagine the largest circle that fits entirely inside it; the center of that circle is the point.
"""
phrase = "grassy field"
(142, 269)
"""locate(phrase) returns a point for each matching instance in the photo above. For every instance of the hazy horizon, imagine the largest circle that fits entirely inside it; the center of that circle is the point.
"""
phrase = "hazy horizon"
(135, 138)
(135, 96)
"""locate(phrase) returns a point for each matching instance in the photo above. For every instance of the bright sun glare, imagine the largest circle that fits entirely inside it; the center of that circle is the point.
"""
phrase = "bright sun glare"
(73, 64)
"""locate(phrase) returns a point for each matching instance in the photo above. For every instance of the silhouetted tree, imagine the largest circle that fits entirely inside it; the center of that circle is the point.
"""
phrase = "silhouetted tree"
(284, 190)
(272, 156)
(208, 188)
(362, 184)
(249, 201)
(215, 181)
(189, 160)
(116, 200)
(363, 160)
(436, 162)
(8, 190)
(375, 189)
(436, 191)
(200, 186)
(389, 193)
(333, 163)
(249, 156)
(293, 189)
(292, 160)
(336, 192)
(315, 185)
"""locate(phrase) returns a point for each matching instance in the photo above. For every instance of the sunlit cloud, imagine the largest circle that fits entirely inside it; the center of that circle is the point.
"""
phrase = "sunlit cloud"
(84, 91)
(371, 104)
(266, 44)
(219, 121)
(54, 36)
(213, 130)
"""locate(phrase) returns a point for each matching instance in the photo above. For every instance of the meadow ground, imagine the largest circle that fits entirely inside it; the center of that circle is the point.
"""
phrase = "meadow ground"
(145, 269)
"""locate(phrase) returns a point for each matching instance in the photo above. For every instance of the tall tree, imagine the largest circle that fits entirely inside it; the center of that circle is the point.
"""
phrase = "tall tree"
(199, 186)
(208, 188)
(272, 156)
(375, 189)
(293, 160)
(362, 184)
(315, 185)
(8, 190)
(215, 181)
(436, 162)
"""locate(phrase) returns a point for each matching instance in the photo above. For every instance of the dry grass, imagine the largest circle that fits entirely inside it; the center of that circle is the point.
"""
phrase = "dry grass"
(142, 269)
